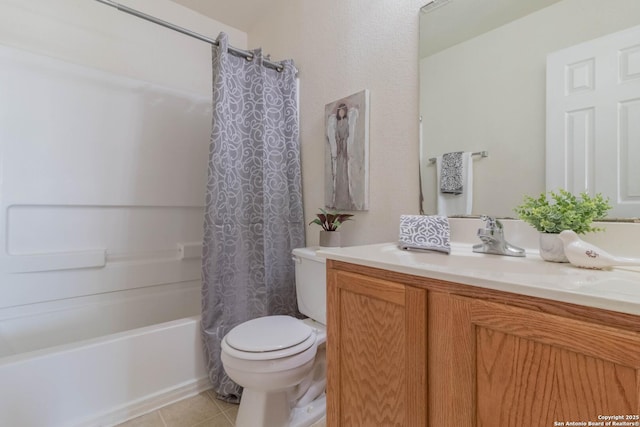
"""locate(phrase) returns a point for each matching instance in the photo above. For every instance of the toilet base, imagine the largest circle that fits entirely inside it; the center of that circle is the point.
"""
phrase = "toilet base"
(309, 414)
(259, 409)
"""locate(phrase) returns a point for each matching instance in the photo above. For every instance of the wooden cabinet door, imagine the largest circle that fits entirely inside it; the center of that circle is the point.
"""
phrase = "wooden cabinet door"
(536, 369)
(517, 367)
(451, 393)
(376, 352)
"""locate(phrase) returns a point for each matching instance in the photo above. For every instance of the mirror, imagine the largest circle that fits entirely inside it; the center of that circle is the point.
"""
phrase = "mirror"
(483, 87)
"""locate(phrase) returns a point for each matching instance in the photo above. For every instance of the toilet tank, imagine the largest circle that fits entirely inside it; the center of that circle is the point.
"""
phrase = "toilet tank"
(311, 284)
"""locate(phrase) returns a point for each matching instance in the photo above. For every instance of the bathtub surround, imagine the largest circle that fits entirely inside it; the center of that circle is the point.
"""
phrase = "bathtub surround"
(253, 215)
(110, 185)
(91, 255)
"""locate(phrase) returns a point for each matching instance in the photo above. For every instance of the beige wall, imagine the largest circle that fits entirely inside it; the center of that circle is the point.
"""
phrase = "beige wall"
(342, 47)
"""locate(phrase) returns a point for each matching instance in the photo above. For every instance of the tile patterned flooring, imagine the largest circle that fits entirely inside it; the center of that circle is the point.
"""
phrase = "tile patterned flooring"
(202, 410)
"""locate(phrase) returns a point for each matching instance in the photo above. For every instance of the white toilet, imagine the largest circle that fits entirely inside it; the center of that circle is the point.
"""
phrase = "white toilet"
(280, 360)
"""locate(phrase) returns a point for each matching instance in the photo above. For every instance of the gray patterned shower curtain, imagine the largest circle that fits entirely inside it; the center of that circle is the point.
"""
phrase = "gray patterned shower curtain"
(253, 213)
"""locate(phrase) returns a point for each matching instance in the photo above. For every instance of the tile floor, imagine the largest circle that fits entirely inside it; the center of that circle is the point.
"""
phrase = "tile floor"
(202, 410)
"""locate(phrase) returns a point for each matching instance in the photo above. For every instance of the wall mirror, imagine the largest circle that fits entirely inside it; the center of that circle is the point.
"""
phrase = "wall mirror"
(483, 85)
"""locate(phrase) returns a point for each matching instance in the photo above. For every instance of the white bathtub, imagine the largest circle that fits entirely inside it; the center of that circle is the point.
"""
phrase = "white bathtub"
(100, 360)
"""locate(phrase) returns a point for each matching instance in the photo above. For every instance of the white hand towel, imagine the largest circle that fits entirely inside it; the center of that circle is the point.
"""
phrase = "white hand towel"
(456, 204)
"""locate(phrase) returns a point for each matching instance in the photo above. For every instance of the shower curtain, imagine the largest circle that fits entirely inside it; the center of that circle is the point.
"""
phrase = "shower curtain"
(253, 212)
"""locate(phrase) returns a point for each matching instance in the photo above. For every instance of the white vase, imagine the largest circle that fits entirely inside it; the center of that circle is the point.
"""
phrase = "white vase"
(551, 248)
(329, 238)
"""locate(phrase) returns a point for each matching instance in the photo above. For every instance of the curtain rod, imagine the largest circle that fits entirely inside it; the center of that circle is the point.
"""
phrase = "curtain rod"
(239, 52)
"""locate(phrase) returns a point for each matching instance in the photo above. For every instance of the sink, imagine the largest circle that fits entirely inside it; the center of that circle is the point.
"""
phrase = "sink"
(617, 289)
(531, 270)
(463, 258)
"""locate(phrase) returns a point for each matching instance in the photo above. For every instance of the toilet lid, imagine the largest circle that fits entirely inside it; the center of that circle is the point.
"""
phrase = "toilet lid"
(270, 333)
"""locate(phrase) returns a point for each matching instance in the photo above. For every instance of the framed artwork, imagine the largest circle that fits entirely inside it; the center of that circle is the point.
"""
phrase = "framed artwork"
(346, 165)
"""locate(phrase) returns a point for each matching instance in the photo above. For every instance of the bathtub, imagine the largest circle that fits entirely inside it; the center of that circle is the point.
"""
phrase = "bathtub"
(102, 359)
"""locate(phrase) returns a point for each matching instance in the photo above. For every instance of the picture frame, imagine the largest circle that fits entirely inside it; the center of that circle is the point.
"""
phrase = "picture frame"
(347, 153)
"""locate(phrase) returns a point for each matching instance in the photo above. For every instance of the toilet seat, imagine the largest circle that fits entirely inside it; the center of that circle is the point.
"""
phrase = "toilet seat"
(269, 337)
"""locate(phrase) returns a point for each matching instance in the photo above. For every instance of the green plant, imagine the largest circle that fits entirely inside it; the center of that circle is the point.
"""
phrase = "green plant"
(563, 211)
(330, 220)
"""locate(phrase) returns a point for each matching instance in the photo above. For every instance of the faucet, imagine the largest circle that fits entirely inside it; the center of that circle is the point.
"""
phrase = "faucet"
(493, 241)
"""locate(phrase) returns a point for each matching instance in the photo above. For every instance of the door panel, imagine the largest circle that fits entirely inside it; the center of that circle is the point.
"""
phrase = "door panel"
(593, 120)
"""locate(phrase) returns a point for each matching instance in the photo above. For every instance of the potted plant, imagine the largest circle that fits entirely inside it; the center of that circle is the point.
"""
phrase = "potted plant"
(554, 212)
(330, 221)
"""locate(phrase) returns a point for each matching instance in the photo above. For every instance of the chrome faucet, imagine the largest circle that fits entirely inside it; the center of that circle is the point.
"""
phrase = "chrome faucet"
(493, 241)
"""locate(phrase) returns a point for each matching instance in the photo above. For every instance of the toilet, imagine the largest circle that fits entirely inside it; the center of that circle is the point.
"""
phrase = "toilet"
(280, 360)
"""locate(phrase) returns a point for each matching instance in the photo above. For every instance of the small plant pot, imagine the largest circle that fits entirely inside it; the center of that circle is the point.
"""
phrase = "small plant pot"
(551, 248)
(329, 238)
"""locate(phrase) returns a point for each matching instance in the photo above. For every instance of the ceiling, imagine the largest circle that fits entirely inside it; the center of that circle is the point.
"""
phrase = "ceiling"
(240, 14)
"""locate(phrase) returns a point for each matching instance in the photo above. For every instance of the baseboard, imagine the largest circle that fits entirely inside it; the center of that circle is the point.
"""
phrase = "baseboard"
(148, 404)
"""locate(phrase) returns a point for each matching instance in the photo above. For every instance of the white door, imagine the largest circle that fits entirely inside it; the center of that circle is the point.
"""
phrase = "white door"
(593, 120)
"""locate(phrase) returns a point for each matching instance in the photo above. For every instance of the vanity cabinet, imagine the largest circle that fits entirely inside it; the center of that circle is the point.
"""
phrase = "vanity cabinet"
(494, 359)
(376, 357)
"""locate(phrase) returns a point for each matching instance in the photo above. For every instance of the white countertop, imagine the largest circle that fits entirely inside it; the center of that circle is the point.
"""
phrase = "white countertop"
(617, 289)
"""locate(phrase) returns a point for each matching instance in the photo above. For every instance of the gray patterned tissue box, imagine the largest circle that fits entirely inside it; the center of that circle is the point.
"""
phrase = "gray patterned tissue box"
(424, 232)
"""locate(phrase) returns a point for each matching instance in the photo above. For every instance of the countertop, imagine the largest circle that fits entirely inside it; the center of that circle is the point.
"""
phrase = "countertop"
(617, 289)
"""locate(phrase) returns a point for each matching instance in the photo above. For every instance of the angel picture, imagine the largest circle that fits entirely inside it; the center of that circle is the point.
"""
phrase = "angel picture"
(347, 153)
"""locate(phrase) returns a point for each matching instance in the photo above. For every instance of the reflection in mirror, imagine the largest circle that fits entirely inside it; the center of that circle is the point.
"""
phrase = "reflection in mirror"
(483, 88)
